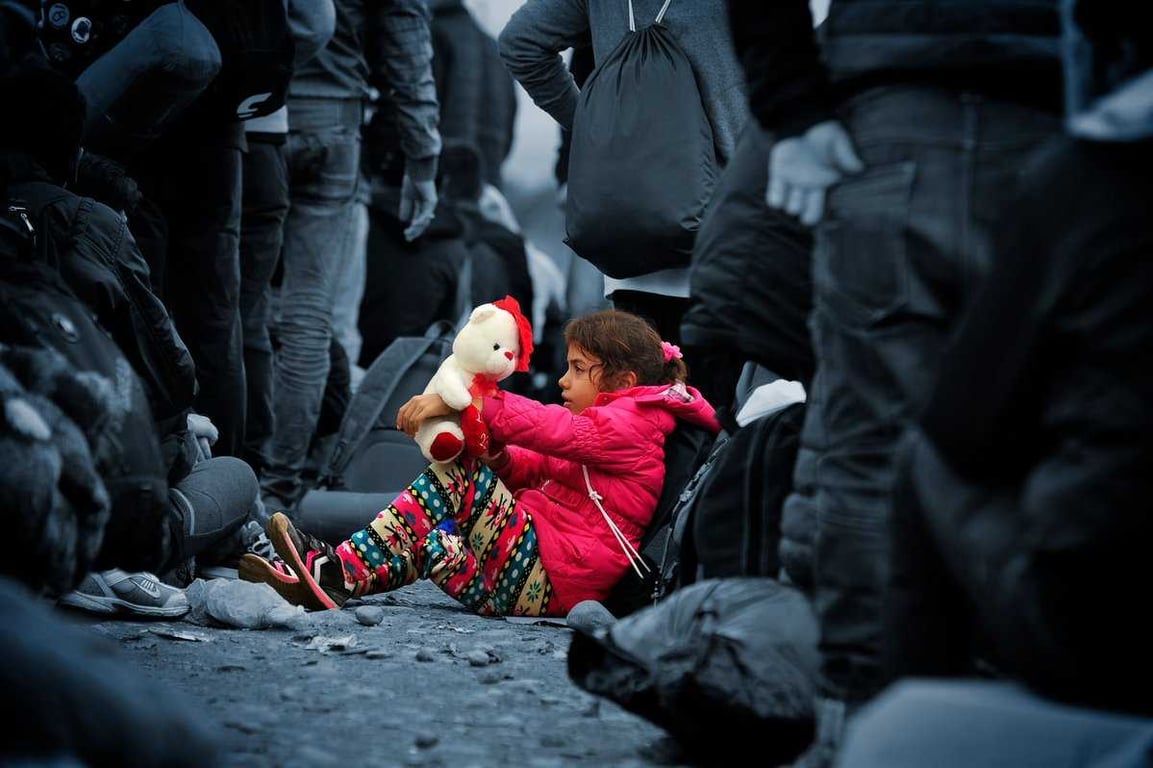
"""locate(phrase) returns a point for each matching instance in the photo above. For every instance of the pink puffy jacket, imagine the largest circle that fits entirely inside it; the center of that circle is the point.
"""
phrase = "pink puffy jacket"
(620, 439)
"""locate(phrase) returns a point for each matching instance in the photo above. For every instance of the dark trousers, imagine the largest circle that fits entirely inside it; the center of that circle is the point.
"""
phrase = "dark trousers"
(264, 208)
(901, 247)
(193, 175)
(714, 377)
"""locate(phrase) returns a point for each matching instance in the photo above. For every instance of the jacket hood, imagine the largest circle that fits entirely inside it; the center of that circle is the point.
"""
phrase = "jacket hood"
(680, 400)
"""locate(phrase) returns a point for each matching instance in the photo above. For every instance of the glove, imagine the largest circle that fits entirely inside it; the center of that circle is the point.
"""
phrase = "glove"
(205, 432)
(802, 168)
(418, 197)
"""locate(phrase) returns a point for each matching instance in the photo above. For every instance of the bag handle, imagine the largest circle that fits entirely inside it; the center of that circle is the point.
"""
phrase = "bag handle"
(635, 559)
(660, 15)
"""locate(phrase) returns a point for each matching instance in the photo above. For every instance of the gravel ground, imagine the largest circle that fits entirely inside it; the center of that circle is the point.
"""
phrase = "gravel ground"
(429, 685)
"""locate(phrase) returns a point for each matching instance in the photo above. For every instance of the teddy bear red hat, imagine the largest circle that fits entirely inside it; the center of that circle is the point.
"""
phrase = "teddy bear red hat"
(523, 327)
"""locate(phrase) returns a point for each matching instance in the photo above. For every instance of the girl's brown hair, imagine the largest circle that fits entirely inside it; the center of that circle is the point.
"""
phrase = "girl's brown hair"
(624, 342)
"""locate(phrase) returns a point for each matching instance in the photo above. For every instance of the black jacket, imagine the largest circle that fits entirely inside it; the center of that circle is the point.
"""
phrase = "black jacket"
(750, 284)
(477, 95)
(1005, 47)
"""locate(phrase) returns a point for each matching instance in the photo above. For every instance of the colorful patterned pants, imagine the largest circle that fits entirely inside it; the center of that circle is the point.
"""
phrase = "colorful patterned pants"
(458, 526)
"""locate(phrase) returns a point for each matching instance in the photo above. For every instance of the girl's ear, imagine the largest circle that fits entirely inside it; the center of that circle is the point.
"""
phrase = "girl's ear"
(628, 379)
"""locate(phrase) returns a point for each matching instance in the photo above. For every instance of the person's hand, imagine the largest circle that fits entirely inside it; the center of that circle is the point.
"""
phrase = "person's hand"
(418, 197)
(419, 408)
(204, 431)
(802, 168)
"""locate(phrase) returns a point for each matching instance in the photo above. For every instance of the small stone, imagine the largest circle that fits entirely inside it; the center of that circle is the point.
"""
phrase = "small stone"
(426, 740)
(588, 616)
(478, 658)
(378, 653)
(369, 615)
(425, 654)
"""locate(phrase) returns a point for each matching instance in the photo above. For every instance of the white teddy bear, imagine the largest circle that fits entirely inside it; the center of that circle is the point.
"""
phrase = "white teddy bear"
(494, 343)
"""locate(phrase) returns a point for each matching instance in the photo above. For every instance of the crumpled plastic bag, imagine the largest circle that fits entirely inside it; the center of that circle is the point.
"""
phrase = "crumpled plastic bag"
(241, 604)
(717, 660)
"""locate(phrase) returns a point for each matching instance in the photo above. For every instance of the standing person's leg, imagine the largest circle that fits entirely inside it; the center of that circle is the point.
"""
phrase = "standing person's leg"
(323, 160)
(662, 312)
(902, 244)
(665, 314)
(348, 291)
(265, 207)
(200, 192)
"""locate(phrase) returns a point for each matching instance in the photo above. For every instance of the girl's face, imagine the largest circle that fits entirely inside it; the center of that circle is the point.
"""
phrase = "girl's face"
(580, 384)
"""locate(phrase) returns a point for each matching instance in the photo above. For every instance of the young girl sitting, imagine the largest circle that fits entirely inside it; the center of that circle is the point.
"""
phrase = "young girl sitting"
(551, 519)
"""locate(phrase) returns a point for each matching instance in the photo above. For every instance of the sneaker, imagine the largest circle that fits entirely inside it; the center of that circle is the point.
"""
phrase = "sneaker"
(320, 575)
(252, 540)
(274, 573)
(116, 591)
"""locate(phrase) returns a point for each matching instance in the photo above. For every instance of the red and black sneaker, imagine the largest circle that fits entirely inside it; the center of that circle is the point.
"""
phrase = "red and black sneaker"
(273, 572)
(320, 575)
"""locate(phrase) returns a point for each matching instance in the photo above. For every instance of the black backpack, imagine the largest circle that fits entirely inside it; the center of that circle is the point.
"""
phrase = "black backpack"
(735, 527)
(725, 522)
(370, 454)
(371, 461)
(688, 451)
(642, 162)
(256, 51)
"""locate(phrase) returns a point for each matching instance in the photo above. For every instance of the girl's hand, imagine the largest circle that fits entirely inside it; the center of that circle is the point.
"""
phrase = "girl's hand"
(419, 408)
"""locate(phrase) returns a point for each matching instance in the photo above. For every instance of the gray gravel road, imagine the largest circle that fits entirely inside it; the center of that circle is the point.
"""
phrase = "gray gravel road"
(430, 685)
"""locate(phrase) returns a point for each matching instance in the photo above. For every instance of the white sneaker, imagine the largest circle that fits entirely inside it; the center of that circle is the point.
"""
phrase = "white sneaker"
(116, 591)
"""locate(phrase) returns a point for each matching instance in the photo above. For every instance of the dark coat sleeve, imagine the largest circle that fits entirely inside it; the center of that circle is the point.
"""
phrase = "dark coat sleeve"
(787, 83)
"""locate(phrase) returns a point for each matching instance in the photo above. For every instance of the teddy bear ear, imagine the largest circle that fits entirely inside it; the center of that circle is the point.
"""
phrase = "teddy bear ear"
(482, 312)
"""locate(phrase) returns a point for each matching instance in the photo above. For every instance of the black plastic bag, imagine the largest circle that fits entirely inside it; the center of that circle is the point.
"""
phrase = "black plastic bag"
(643, 163)
(714, 662)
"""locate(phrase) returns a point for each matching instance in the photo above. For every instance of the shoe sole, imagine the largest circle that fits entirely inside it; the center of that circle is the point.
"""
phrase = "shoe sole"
(111, 605)
(252, 567)
(256, 569)
(310, 594)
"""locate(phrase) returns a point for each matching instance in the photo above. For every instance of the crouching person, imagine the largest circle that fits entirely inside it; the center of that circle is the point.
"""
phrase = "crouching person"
(87, 245)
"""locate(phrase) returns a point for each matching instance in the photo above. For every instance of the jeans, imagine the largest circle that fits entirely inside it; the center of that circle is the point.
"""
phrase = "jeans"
(263, 214)
(902, 245)
(350, 282)
(323, 161)
(212, 502)
(960, 724)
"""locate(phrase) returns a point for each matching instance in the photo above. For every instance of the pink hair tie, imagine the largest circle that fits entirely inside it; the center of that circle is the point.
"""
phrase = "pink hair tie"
(671, 351)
